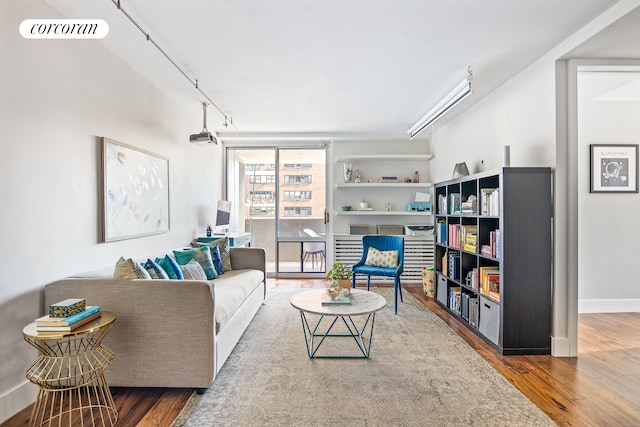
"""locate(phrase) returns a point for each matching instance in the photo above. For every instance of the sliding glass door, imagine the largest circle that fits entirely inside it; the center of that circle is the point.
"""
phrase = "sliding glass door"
(279, 195)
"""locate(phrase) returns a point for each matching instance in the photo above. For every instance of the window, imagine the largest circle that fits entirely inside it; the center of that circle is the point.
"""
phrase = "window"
(297, 165)
(297, 211)
(260, 167)
(262, 179)
(297, 179)
(297, 195)
(261, 195)
(263, 211)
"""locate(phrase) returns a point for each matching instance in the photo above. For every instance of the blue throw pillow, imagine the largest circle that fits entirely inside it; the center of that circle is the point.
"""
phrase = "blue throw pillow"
(154, 269)
(171, 267)
(202, 255)
(217, 259)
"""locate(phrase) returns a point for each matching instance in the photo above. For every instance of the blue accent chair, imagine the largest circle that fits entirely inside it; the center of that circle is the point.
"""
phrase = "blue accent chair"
(381, 243)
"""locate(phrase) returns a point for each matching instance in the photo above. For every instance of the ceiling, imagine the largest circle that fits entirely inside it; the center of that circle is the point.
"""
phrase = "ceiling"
(329, 67)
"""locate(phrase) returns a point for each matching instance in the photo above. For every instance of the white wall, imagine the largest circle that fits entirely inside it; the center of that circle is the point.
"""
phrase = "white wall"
(58, 98)
(608, 237)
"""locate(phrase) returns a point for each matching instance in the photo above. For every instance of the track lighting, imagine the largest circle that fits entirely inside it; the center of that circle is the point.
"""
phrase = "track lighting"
(448, 102)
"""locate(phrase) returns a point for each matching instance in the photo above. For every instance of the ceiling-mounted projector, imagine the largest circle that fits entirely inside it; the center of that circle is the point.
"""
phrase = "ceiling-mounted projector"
(205, 137)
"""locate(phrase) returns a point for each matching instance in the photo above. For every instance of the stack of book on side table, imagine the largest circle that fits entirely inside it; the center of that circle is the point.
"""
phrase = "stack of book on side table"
(66, 316)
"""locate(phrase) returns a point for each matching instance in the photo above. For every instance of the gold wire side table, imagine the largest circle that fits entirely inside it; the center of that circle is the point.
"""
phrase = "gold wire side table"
(70, 374)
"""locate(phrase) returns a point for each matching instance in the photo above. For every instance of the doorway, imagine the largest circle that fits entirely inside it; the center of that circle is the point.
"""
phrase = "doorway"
(280, 197)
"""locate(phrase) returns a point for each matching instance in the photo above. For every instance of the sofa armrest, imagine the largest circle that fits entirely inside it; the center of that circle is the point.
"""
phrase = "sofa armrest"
(164, 330)
(249, 258)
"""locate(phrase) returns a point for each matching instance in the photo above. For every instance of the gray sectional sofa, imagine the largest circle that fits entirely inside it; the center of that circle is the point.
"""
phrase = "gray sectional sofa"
(172, 333)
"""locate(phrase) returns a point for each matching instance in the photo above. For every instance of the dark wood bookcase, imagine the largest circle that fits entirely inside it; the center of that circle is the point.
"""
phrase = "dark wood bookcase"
(502, 293)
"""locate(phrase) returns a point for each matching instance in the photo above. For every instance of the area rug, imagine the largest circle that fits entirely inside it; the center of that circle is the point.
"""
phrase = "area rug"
(420, 373)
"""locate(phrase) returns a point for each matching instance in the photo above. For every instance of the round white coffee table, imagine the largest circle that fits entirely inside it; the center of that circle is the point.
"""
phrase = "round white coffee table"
(363, 303)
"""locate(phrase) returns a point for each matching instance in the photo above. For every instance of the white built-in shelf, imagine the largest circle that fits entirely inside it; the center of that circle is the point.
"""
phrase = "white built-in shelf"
(383, 185)
(382, 213)
(347, 157)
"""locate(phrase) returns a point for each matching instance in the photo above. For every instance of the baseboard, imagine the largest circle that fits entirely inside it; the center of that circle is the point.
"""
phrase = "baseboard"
(608, 305)
(17, 399)
(560, 347)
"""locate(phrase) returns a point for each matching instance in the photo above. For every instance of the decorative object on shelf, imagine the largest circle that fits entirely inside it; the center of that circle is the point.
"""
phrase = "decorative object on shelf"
(364, 204)
(358, 176)
(416, 177)
(614, 168)
(460, 169)
(347, 169)
(209, 230)
(387, 206)
(345, 208)
(340, 275)
(506, 157)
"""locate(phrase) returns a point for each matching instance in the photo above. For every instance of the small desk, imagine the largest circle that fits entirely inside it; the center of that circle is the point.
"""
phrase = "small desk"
(70, 374)
(236, 240)
(362, 303)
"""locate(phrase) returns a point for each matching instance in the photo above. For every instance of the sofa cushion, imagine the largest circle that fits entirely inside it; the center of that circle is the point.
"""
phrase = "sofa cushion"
(129, 269)
(202, 255)
(193, 271)
(171, 267)
(154, 270)
(231, 291)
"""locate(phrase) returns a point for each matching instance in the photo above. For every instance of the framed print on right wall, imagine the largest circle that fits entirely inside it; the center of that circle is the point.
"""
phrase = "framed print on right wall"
(614, 168)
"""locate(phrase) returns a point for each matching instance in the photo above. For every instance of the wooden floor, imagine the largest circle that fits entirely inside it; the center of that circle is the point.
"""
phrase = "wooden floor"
(601, 387)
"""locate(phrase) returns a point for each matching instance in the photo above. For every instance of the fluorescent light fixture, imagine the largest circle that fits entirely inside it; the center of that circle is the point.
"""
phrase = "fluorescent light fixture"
(448, 102)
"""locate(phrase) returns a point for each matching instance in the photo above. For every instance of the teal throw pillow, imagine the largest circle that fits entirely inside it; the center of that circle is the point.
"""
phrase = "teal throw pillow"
(171, 267)
(154, 270)
(202, 255)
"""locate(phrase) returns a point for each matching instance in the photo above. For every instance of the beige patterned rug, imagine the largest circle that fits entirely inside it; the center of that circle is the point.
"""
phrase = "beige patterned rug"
(420, 374)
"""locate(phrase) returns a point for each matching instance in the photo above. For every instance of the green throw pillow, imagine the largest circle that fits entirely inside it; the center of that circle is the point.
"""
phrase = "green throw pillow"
(203, 256)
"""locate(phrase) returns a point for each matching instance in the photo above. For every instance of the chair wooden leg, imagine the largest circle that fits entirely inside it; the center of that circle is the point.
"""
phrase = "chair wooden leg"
(353, 280)
(368, 281)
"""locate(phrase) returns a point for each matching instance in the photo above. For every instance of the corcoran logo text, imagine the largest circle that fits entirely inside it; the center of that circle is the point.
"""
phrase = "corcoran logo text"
(64, 29)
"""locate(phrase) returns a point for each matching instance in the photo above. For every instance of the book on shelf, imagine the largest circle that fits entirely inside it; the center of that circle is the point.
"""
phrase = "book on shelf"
(490, 201)
(488, 276)
(454, 299)
(68, 328)
(442, 204)
(454, 205)
(474, 309)
(67, 307)
(454, 265)
(341, 300)
(441, 232)
(67, 321)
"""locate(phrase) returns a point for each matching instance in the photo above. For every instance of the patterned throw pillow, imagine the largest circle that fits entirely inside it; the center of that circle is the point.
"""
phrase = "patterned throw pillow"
(193, 271)
(171, 267)
(129, 269)
(154, 270)
(217, 259)
(203, 256)
(223, 245)
(378, 258)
